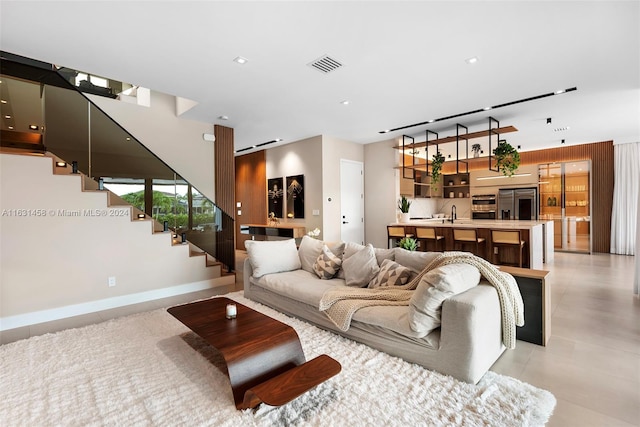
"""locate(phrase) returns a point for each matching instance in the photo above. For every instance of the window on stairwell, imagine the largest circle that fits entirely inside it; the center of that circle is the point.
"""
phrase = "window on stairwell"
(129, 189)
(170, 203)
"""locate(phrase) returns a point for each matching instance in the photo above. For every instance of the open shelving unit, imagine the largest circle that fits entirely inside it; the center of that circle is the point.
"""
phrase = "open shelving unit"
(418, 169)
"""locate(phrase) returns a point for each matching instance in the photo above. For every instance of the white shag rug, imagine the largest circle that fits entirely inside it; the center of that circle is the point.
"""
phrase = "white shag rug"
(149, 369)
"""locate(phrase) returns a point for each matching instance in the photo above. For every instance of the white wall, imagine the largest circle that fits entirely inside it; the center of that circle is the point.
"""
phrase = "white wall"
(54, 266)
(300, 158)
(381, 191)
(178, 142)
(333, 150)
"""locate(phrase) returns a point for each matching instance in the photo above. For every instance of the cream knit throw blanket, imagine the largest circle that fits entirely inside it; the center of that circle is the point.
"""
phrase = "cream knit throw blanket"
(341, 304)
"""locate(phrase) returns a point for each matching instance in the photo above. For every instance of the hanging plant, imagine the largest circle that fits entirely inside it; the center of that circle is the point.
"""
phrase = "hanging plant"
(507, 158)
(436, 169)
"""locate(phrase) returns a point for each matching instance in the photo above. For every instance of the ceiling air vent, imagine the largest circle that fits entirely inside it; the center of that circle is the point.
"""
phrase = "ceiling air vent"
(325, 64)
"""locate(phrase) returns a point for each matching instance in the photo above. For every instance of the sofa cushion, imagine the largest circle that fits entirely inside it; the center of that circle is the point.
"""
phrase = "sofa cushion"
(272, 256)
(327, 264)
(360, 267)
(391, 274)
(311, 248)
(299, 285)
(435, 287)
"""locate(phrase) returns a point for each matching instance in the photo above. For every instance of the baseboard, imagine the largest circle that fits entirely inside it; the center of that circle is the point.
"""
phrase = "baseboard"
(35, 317)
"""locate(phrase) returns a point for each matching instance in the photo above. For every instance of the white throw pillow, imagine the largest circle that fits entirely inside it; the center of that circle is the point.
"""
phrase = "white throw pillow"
(360, 267)
(425, 307)
(391, 274)
(272, 256)
(327, 264)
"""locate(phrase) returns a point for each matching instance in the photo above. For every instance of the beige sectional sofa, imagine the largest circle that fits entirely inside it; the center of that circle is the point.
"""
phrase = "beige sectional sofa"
(464, 338)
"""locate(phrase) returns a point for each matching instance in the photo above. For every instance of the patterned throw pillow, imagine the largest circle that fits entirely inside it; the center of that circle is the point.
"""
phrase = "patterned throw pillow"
(391, 274)
(327, 264)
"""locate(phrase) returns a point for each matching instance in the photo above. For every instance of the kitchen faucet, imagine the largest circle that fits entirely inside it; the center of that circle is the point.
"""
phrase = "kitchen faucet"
(453, 213)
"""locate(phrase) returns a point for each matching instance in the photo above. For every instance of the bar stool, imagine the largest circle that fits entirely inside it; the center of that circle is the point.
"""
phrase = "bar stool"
(395, 233)
(467, 236)
(507, 239)
(426, 234)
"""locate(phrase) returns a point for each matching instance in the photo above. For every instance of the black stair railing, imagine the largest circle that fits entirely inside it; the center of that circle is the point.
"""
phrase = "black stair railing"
(76, 130)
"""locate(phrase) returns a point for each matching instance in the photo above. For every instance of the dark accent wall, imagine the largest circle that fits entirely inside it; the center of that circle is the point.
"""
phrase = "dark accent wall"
(225, 169)
(251, 192)
(225, 188)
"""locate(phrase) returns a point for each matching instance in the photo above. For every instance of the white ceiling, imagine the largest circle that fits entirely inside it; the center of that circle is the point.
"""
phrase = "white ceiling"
(404, 63)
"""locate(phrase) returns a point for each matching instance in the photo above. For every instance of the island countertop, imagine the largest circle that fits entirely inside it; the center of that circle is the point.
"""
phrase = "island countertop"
(538, 234)
(474, 223)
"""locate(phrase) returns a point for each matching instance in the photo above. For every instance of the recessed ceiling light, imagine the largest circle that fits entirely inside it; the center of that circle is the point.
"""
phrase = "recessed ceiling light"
(253, 146)
(11, 127)
(487, 108)
(223, 118)
(558, 92)
(33, 127)
(562, 129)
(240, 60)
(431, 121)
(471, 60)
(3, 101)
(128, 139)
(278, 139)
(7, 116)
(562, 142)
(385, 131)
(345, 102)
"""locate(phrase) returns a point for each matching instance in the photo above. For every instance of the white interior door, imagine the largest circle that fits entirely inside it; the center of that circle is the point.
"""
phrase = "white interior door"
(352, 201)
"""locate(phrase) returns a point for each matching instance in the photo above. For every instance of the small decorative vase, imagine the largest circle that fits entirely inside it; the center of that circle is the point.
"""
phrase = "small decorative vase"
(405, 217)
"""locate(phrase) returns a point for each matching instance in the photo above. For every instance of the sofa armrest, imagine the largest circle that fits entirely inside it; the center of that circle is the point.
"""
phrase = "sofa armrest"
(247, 272)
(471, 331)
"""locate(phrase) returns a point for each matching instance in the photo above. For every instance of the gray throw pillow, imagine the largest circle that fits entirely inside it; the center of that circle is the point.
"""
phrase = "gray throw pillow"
(391, 274)
(360, 267)
(425, 307)
(327, 264)
(310, 249)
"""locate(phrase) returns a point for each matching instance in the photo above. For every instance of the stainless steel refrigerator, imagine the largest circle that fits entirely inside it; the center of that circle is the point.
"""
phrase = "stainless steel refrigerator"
(518, 203)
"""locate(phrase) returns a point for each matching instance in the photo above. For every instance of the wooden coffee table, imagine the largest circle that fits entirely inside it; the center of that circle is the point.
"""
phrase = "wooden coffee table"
(264, 358)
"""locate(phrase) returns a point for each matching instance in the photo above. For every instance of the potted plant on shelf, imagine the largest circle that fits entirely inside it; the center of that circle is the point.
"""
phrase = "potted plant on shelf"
(476, 150)
(404, 205)
(436, 169)
(507, 158)
(408, 243)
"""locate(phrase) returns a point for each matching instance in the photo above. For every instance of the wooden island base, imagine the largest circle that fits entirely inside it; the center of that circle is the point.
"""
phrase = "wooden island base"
(264, 358)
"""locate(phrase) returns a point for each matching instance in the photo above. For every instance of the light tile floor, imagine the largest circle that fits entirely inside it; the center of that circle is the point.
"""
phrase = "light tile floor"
(592, 362)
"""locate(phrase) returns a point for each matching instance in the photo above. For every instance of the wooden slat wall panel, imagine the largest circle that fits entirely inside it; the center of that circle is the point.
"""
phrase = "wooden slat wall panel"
(224, 169)
(251, 192)
(601, 156)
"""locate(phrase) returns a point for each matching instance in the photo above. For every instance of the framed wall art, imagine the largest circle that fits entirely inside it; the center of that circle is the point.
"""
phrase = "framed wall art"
(295, 196)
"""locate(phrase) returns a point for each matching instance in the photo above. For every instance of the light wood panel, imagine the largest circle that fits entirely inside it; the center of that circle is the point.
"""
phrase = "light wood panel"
(251, 192)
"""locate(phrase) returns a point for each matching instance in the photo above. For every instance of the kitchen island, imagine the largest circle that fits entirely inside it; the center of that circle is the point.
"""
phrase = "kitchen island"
(538, 236)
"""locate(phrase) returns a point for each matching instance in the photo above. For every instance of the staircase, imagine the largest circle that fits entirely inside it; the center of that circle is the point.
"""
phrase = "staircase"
(64, 239)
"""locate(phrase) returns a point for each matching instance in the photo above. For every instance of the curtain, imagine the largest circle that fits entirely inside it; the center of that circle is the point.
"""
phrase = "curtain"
(624, 215)
(636, 283)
